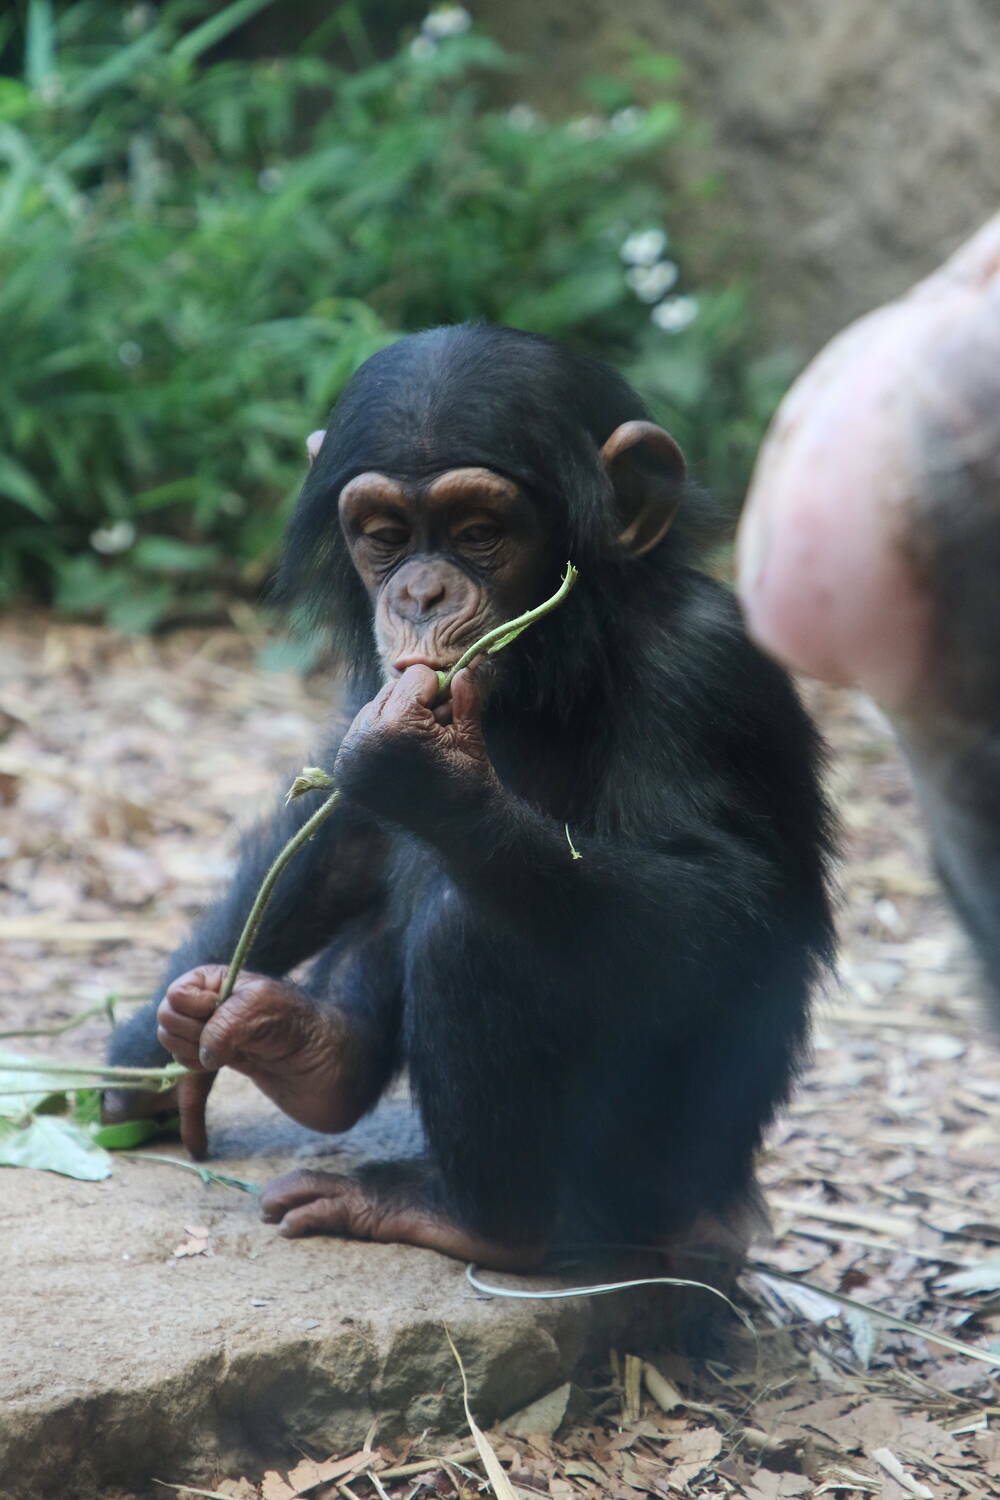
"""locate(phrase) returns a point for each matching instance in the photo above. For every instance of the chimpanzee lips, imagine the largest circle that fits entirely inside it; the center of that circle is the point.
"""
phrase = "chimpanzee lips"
(400, 665)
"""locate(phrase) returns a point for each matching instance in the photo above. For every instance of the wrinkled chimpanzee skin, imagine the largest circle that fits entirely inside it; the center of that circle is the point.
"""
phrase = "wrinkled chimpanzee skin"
(594, 1044)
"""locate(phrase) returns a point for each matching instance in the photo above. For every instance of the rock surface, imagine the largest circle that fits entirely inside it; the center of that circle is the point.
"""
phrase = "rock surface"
(124, 1359)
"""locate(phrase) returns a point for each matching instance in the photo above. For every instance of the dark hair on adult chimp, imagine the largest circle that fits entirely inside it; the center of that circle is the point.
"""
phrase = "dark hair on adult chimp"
(476, 395)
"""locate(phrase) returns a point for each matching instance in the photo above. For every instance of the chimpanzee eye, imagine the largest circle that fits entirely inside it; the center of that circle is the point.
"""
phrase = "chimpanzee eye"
(481, 534)
(388, 536)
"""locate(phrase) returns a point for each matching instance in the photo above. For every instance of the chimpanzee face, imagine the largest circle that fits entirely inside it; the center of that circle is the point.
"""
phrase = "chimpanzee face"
(443, 560)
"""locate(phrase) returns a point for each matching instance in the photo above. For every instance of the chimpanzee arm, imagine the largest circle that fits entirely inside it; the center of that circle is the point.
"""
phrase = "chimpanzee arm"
(337, 875)
(692, 911)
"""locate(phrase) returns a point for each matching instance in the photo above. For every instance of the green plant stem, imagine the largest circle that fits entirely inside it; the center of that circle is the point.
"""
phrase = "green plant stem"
(102, 1008)
(140, 1078)
(263, 896)
(501, 635)
(206, 1174)
(494, 640)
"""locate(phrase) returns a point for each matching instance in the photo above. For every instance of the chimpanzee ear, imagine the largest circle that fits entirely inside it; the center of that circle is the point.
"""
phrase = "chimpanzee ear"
(646, 469)
(314, 443)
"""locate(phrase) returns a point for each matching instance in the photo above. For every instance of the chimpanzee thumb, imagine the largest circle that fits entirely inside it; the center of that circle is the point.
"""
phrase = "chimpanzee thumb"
(192, 1097)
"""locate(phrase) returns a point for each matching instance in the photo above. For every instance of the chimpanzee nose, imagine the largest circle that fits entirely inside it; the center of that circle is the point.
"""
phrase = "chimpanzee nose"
(423, 589)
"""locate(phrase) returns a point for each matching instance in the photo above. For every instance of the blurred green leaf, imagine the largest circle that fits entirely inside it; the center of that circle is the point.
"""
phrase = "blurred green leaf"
(39, 45)
(211, 32)
(138, 612)
(164, 554)
(17, 484)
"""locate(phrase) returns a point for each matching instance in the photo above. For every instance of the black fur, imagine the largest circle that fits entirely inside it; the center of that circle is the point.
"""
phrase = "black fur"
(597, 1042)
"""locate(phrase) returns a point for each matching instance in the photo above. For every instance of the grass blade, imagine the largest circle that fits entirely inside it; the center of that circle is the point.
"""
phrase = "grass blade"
(502, 1487)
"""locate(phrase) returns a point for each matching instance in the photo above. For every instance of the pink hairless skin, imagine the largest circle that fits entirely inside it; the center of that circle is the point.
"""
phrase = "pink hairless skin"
(869, 550)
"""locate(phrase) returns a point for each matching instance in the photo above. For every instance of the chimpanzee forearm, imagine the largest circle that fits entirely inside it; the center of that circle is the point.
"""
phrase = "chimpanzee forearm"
(703, 897)
(337, 875)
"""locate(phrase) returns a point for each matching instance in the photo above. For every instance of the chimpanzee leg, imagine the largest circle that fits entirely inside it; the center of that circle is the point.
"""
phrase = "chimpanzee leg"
(483, 1071)
(660, 1153)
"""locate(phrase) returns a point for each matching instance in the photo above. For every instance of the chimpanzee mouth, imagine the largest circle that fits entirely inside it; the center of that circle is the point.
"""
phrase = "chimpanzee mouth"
(399, 666)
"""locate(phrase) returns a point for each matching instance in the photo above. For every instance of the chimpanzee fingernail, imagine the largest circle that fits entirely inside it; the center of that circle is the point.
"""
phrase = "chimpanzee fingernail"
(207, 1059)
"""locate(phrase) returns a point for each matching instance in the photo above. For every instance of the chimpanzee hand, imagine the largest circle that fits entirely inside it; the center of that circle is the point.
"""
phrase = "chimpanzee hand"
(415, 764)
(270, 1030)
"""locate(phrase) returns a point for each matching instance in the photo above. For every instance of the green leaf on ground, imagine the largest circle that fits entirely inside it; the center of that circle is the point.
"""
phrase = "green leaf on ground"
(52, 1144)
(135, 1133)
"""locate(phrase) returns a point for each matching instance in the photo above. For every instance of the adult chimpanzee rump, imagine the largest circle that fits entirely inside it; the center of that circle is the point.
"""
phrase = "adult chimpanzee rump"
(594, 1044)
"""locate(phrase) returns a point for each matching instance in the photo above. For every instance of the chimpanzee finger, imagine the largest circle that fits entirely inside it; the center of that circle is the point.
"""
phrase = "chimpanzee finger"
(196, 993)
(466, 699)
(182, 1051)
(295, 1189)
(417, 688)
(321, 1216)
(192, 1097)
(372, 712)
(225, 1037)
(173, 1029)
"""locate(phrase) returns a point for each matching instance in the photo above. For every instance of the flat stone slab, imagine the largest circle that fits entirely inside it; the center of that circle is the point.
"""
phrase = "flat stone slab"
(121, 1359)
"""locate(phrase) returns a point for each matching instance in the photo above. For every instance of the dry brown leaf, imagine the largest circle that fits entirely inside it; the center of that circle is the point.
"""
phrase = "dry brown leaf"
(197, 1243)
(686, 1456)
(308, 1474)
(584, 1468)
(888, 1461)
(766, 1485)
(541, 1417)
(273, 1487)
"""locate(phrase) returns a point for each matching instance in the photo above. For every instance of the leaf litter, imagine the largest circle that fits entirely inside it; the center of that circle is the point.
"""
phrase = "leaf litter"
(126, 765)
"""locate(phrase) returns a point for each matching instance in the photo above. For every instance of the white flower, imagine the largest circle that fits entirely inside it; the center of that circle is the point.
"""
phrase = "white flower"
(118, 537)
(50, 89)
(650, 282)
(587, 128)
(446, 20)
(644, 247)
(137, 18)
(674, 314)
(269, 179)
(624, 120)
(523, 117)
(421, 48)
(130, 354)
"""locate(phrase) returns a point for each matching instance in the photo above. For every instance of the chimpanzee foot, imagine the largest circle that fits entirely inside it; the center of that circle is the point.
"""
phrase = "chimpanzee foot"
(301, 1055)
(306, 1202)
(870, 545)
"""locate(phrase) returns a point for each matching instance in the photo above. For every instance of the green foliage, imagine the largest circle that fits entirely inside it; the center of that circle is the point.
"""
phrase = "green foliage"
(48, 1121)
(197, 251)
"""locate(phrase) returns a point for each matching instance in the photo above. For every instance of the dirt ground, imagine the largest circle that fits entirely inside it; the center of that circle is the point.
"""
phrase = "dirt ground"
(124, 766)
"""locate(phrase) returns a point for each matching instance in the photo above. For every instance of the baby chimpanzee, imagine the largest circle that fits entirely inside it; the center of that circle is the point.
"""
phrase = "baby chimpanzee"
(596, 1043)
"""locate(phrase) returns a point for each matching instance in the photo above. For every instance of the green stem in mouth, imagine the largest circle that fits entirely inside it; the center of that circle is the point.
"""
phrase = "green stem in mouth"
(501, 635)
